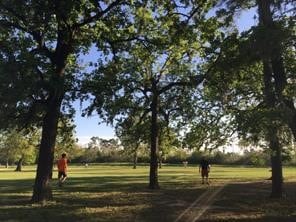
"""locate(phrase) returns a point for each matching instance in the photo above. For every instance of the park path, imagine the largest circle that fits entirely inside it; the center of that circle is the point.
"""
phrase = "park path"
(200, 205)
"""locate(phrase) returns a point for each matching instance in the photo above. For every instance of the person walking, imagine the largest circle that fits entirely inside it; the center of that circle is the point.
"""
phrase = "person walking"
(204, 169)
(62, 165)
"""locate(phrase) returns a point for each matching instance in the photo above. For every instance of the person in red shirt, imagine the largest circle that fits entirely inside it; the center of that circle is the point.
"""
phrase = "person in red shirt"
(62, 165)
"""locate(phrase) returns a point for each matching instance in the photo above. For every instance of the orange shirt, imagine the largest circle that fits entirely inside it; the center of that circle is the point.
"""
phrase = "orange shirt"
(62, 165)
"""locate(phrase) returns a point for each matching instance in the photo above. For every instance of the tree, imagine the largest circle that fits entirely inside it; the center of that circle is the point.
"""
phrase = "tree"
(40, 45)
(273, 68)
(132, 133)
(66, 141)
(154, 76)
(263, 46)
(211, 127)
(18, 147)
(168, 140)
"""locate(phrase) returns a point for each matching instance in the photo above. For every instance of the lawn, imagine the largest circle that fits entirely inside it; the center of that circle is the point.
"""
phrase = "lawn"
(114, 192)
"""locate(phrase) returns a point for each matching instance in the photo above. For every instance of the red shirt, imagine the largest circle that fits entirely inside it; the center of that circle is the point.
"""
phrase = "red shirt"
(62, 165)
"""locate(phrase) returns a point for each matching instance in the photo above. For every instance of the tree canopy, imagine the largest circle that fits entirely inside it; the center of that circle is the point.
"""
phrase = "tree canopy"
(164, 69)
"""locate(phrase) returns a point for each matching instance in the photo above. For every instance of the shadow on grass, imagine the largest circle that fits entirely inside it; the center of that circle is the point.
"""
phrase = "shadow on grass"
(242, 202)
(111, 198)
(19, 185)
(127, 198)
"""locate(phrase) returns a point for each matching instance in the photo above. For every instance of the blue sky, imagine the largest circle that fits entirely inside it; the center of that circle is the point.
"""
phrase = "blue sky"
(86, 127)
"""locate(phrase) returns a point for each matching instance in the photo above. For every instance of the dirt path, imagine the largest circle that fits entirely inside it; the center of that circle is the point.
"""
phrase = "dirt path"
(200, 205)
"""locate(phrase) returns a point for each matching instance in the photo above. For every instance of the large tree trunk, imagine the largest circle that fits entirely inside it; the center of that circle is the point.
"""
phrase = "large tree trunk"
(19, 165)
(272, 131)
(153, 183)
(276, 165)
(274, 83)
(42, 190)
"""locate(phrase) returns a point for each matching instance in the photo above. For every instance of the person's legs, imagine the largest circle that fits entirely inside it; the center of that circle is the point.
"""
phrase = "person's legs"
(203, 176)
(60, 177)
(64, 177)
(207, 177)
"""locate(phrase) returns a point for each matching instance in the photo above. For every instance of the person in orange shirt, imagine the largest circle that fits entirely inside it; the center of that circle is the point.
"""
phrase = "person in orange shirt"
(62, 165)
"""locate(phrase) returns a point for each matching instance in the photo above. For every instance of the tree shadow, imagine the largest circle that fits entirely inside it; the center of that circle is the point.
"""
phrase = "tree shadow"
(251, 202)
(127, 198)
(104, 198)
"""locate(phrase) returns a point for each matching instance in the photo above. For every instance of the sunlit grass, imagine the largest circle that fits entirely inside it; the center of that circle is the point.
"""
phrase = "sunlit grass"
(116, 192)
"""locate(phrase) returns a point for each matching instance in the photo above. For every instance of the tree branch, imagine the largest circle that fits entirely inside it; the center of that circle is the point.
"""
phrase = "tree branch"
(45, 50)
(36, 36)
(195, 80)
(146, 111)
(99, 14)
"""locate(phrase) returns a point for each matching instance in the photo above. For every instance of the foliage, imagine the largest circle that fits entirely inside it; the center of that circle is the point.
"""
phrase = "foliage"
(41, 42)
(16, 145)
(132, 133)
(241, 66)
(176, 156)
(168, 142)
(153, 79)
(165, 69)
(66, 141)
(263, 46)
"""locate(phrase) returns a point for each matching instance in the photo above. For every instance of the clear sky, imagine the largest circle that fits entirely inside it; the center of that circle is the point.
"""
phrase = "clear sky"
(86, 127)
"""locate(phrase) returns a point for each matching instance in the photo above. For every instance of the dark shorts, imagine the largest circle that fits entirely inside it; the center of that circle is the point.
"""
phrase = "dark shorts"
(205, 173)
(61, 173)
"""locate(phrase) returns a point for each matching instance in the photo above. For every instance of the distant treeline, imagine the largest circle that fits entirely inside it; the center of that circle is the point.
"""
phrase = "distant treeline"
(255, 158)
(108, 151)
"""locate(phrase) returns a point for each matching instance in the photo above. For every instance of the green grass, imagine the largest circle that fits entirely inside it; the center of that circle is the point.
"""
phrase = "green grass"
(116, 192)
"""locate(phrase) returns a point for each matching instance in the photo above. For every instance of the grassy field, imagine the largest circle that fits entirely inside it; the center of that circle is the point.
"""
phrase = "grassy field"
(114, 193)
